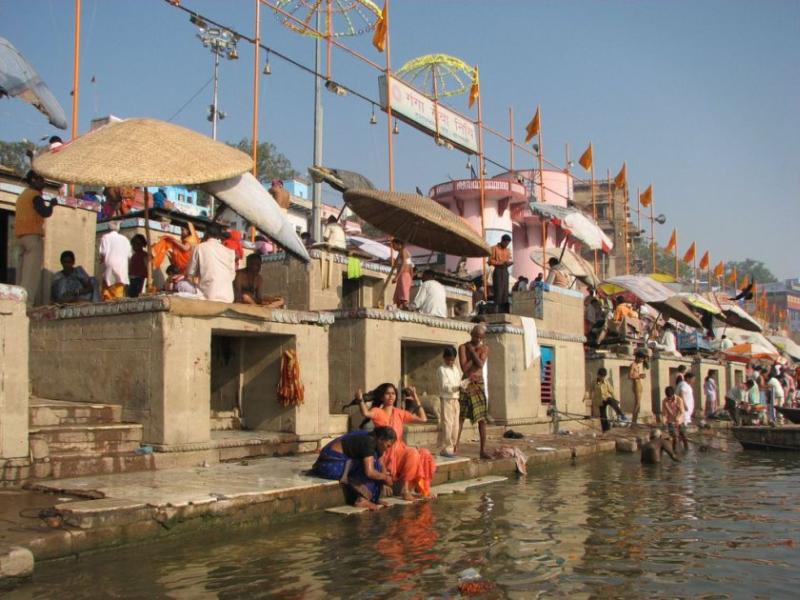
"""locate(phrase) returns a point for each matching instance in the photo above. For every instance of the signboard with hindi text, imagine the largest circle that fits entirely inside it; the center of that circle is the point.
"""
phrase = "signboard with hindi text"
(416, 109)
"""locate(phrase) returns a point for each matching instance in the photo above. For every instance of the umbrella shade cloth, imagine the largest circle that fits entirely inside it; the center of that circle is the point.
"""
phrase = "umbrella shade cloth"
(19, 79)
(655, 294)
(572, 262)
(575, 224)
(371, 247)
(416, 220)
(736, 316)
(788, 345)
(142, 152)
(701, 303)
(751, 351)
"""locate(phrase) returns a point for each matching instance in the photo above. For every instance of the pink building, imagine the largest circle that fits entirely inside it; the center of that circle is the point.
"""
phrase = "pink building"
(506, 211)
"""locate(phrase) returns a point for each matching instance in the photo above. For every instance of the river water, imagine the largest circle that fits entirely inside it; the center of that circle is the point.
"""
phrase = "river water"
(719, 524)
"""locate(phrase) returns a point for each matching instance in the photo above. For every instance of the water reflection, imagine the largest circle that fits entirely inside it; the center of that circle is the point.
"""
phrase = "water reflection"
(718, 524)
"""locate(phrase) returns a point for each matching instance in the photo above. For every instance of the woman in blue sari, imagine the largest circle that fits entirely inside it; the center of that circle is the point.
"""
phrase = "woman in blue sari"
(352, 459)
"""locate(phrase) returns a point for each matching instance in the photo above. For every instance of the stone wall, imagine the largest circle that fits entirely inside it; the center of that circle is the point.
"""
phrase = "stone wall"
(369, 347)
(153, 357)
(13, 373)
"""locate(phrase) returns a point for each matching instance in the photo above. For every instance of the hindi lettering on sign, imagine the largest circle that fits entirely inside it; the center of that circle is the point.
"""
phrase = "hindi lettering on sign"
(418, 110)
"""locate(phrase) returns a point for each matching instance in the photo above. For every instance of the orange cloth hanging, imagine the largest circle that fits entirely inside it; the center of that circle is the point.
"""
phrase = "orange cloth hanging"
(291, 391)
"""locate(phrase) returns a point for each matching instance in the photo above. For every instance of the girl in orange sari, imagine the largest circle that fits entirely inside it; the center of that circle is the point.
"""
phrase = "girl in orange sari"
(413, 467)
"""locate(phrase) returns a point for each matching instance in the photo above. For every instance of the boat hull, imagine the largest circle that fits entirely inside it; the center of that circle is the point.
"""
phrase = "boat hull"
(793, 414)
(785, 438)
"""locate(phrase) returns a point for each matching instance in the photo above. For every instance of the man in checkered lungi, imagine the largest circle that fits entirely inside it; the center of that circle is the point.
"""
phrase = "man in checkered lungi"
(472, 399)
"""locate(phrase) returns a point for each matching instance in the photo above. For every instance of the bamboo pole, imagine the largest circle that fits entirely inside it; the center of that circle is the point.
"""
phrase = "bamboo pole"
(328, 37)
(76, 68)
(676, 254)
(626, 201)
(541, 188)
(482, 179)
(511, 137)
(594, 210)
(256, 82)
(653, 236)
(389, 97)
(611, 202)
(638, 219)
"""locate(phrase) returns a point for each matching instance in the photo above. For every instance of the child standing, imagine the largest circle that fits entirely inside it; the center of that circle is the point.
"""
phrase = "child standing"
(674, 412)
(449, 377)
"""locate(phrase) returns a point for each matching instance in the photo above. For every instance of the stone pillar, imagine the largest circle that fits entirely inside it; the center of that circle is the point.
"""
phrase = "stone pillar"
(13, 373)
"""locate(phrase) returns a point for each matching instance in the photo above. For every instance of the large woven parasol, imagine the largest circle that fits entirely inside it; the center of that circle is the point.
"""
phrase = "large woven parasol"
(142, 152)
(416, 220)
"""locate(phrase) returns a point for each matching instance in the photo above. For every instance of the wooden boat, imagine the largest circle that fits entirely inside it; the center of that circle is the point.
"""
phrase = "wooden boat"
(786, 438)
(793, 414)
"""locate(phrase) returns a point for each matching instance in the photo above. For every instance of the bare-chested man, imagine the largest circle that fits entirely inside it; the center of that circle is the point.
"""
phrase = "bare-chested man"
(652, 450)
(472, 356)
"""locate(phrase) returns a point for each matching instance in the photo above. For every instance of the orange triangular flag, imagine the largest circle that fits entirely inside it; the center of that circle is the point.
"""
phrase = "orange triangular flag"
(672, 244)
(621, 180)
(719, 270)
(381, 31)
(690, 253)
(586, 158)
(732, 277)
(532, 128)
(646, 197)
(704, 261)
(745, 282)
(475, 89)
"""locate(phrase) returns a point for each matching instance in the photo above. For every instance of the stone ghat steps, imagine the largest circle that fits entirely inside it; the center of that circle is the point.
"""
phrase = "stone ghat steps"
(80, 464)
(105, 437)
(44, 413)
(75, 439)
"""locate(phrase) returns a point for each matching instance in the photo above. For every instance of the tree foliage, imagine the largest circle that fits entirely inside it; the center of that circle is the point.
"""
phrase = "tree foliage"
(665, 261)
(12, 155)
(271, 164)
(754, 270)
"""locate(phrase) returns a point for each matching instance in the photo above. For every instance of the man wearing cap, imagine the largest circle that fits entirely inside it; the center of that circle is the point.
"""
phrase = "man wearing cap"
(501, 261)
(31, 211)
(214, 267)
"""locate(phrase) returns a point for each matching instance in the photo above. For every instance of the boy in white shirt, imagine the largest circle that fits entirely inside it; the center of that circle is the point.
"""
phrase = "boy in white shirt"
(449, 377)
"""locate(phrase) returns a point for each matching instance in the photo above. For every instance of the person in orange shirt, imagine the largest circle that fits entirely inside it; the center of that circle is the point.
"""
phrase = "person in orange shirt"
(501, 261)
(624, 313)
(411, 466)
(31, 211)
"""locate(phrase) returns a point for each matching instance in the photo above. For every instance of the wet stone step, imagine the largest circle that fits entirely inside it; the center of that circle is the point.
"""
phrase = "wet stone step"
(62, 413)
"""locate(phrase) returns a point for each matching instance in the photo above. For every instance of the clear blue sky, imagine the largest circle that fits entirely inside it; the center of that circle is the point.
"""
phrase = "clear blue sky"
(700, 97)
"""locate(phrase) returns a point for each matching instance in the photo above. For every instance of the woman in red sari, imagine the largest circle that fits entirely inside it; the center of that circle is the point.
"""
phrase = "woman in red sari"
(413, 467)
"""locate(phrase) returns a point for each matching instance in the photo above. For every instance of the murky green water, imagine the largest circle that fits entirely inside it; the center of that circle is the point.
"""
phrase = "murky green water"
(721, 525)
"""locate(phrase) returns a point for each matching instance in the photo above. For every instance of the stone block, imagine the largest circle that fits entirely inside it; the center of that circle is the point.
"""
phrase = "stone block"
(16, 562)
(627, 445)
(39, 448)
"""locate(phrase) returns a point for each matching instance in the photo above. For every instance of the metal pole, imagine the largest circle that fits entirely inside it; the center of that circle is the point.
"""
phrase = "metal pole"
(638, 223)
(626, 200)
(215, 100)
(316, 197)
(612, 201)
(676, 254)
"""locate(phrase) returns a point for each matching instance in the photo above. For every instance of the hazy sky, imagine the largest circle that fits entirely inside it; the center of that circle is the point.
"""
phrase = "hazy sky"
(700, 97)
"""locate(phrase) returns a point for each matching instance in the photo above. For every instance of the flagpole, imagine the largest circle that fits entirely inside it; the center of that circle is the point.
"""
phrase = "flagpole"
(76, 68)
(638, 218)
(389, 133)
(541, 187)
(511, 137)
(627, 201)
(653, 235)
(594, 208)
(694, 267)
(676, 254)
(482, 179)
(612, 201)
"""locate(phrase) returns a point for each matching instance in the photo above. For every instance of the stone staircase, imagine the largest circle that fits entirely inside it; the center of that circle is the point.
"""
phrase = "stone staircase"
(74, 439)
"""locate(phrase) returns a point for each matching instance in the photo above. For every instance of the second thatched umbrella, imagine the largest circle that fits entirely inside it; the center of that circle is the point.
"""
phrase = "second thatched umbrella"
(417, 220)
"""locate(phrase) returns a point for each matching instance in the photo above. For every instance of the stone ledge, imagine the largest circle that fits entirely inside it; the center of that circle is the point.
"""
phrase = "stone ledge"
(14, 293)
